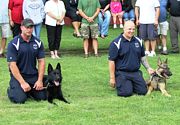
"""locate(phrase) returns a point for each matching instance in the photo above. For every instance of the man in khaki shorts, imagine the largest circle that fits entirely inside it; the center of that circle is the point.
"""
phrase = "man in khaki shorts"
(89, 10)
(4, 26)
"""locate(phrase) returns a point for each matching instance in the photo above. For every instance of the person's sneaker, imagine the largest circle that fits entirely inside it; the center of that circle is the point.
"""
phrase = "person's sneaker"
(96, 55)
(2, 55)
(57, 57)
(115, 26)
(175, 51)
(164, 52)
(121, 26)
(53, 56)
(86, 56)
(159, 48)
(102, 36)
(152, 54)
(147, 53)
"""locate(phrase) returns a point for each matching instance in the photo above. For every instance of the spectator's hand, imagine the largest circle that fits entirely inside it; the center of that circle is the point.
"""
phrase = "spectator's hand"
(150, 71)
(90, 19)
(112, 82)
(156, 23)
(102, 11)
(137, 22)
(11, 23)
(38, 85)
(77, 12)
(121, 13)
(26, 87)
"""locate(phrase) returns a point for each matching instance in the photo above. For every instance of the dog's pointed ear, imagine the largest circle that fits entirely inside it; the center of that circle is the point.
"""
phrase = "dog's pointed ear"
(50, 68)
(159, 61)
(58, 66)
(166, 61)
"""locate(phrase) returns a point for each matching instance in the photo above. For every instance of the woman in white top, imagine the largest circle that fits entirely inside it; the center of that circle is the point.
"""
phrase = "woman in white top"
(54, 20)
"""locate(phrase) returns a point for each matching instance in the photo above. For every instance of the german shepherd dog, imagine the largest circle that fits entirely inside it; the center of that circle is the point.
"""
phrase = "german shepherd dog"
(158, 79)
(52, 81)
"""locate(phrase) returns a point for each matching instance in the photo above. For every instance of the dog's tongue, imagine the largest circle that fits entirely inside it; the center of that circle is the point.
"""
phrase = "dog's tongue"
(56, 83)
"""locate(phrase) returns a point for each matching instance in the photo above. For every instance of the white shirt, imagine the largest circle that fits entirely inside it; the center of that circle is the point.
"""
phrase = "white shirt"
(55, 8)
(147, 10)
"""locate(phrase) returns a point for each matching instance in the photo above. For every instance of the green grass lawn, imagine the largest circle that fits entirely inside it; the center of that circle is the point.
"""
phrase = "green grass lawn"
(86, 85)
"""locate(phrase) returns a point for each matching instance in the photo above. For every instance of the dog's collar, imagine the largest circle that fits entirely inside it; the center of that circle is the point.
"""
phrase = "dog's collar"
(48, 85)
(158, 73)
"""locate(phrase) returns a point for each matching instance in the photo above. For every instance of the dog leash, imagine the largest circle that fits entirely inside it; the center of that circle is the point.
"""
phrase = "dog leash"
(48, 84)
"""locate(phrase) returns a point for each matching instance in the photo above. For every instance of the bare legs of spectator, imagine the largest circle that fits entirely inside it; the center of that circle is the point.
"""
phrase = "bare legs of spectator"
(3, 45)
(76, 26)
(120, 16)
(150, 44)
(95, 46)
(89, 45)
(162, 39)
(114, 20)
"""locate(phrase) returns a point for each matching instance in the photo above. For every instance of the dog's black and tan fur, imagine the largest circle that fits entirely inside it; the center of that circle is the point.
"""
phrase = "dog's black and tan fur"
(158, 79)
(52, 82)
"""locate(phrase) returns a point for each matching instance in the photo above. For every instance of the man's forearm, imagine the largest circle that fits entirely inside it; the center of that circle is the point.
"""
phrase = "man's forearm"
(41, 69)
(83, 14)
(112, 69)
(157, 13)
(145, 62)
(16, 73)
(137, 12)
(96, 13)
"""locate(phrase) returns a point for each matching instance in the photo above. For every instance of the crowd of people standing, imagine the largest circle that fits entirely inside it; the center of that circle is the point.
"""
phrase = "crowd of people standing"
(91, 19)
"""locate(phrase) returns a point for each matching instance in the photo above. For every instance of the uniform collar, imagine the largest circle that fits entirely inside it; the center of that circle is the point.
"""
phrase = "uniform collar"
(125, 40)
(22, 40)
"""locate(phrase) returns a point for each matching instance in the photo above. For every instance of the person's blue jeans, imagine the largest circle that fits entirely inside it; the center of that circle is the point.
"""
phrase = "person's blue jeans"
(104, 22)
(129, 15)
(37, 30)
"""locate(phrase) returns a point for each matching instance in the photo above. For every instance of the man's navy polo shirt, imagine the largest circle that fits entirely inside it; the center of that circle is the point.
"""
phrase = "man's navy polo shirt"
(126, 54)
(25, 54)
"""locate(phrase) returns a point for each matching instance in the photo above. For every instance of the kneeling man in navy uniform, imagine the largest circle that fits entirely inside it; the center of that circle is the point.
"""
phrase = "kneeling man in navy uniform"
(23, 52)
(126, 53)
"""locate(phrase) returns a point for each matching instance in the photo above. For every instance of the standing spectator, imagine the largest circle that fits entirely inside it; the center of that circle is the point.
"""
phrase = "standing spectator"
(55, 13)
(4, 26)
(15, 15)
(128, 10)
(104, 18)
(174, 23)
(73, 13)
(89, 10)
(23, 53)
(147, 14)
(116, 11)
(126, 53)
(163, 27)
(34, 9)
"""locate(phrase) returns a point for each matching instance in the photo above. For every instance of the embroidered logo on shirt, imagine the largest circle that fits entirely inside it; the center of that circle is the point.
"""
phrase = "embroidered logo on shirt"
(35, 46)
(137, 45)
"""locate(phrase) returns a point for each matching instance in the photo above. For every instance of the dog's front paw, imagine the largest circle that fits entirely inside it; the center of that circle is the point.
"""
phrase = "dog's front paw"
(148, 93)
(168, 95)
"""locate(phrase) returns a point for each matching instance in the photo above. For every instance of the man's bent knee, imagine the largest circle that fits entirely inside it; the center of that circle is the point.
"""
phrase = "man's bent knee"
(124, 94)
(16, 98)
